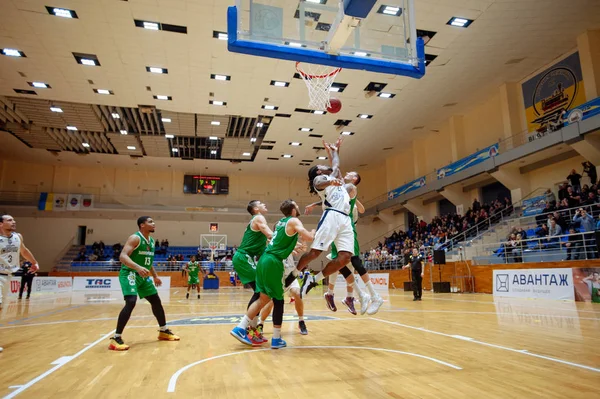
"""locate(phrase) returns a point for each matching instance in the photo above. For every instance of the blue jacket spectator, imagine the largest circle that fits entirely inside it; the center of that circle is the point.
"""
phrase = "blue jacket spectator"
(585, 221)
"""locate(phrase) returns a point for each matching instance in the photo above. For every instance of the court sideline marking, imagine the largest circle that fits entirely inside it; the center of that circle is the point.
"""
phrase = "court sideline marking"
(467, 339)
(64, 361)
(175, 376)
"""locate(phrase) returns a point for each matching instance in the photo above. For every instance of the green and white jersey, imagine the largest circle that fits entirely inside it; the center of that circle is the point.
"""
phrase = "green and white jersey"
(254, 242)
(282, 245)
(143, 254)
(193, 269)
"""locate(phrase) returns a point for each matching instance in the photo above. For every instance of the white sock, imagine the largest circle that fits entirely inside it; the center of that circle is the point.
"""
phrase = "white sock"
(329, 291)
(276, 332)
(245, 322)
(260, 320)
(371, 288)
(318, 277)
(357, 289)
(163, 328)
(300, 318)
(117, 335)
(349, 291)
(254, 322)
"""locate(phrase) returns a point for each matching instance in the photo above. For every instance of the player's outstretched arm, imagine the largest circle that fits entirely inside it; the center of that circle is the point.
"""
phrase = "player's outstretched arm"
(295, 226)
(360, 207)
(26, 253)
(260, 223)
(132, 242)
(308, 209)
(323, 181)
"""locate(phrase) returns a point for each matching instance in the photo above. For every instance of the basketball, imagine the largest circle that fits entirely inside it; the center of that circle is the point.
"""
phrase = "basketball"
(335, 106)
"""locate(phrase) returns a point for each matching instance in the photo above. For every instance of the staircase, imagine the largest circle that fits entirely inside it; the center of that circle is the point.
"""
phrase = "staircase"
(64, 263)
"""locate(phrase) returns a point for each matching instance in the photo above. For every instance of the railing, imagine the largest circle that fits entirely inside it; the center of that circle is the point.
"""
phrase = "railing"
(474, 231)
(575, 246)
(115, 266)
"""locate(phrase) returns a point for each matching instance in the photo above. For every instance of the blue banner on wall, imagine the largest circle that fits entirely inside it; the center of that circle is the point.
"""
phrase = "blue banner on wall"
(467, 162)
(407, 188)
(584, 111)
(534, 206)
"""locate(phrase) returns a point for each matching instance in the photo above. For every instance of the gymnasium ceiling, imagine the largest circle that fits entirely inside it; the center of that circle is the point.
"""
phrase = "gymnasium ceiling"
(508, 41)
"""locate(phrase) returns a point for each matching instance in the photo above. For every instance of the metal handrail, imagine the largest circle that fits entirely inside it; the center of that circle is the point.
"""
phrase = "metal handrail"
(518, 251)
(160, 266)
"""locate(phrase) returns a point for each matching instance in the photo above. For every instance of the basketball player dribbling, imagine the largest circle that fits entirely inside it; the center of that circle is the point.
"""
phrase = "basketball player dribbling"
(252, 246)
(193, 268)
(12, 248)
(335, 225)
(137, 258)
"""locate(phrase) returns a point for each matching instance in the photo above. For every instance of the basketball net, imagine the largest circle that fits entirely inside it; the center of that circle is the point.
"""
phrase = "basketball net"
(318, 80)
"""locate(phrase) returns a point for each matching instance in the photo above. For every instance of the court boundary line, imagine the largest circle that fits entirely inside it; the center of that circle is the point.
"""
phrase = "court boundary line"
(58, 366)
(475, 341)
(173, 380)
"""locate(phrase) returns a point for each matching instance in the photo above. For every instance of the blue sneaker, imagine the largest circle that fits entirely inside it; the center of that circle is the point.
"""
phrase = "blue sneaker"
(240, 334)
(277, 343)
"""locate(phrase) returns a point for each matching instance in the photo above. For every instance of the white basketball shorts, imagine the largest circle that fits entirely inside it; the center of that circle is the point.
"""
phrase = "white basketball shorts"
(334, 227)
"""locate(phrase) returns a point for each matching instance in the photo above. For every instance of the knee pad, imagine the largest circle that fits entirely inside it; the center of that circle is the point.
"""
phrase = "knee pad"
(358, 265)
(278, 311)
(345, 272)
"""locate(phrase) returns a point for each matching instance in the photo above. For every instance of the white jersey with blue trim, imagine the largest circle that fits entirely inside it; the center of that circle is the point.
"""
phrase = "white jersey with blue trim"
(10, 251)
(335, 197)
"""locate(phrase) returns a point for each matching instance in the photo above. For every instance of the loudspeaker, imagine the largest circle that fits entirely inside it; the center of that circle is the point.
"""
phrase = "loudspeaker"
(408, 286)
(444, 286)
(439, 257)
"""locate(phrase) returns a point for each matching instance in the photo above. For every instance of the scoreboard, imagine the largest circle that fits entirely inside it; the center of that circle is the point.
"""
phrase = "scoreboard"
(196, 184)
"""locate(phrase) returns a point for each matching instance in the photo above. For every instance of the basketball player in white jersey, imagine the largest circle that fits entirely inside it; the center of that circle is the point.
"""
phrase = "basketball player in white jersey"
(11, 248)
(352, 180)
(335, 225)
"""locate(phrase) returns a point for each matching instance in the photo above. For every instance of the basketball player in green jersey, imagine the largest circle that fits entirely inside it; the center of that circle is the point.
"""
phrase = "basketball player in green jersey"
(136, 259)
(193, 268)
(269, 273)
(253, 245)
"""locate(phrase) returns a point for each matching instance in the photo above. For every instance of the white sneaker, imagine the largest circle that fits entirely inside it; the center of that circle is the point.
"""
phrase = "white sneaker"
(375, 305)
(364, 302)
(1, 349)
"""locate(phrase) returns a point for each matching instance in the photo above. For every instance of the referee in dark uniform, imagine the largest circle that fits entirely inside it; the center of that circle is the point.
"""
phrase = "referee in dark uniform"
(26, 278)
(416, 263)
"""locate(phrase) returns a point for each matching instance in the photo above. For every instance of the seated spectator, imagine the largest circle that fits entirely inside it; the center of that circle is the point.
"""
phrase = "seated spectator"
(560, 221)
(95, 246)
(589, 199)
(574, 245)
(562, 191)
(522, 232)
(81, 256)
(575, 179)
(573, 197)
(101, 245)
(554, 230)
(542, 231)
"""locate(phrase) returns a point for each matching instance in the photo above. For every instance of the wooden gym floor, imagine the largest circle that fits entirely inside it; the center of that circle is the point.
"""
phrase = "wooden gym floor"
(448, 345)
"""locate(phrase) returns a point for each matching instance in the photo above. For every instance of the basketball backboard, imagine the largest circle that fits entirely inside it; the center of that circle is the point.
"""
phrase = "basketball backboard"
(353, 34)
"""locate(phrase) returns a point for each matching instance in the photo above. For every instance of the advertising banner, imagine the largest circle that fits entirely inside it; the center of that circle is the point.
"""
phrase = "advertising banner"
(108, 283)
(467, 162)
(407, 188)
(43, 285)
(534, 206)
(534, 283)
(380, 281)
(587, 284)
